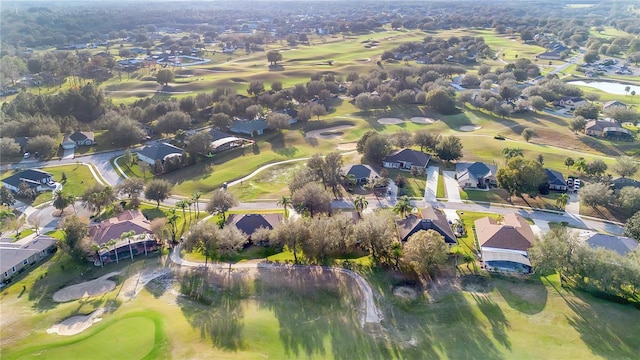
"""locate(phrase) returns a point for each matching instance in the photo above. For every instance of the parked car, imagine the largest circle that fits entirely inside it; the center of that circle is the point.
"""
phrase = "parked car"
(27, 155)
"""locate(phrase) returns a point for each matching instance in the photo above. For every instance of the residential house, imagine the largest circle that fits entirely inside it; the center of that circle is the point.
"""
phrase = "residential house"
(36, 179)
(78, 138)
(249, 223)
(159, 152)
(249, 127)
(102, 233)
(430, 219)
(504, 245)
(613, 104)
(606, 128)
(361, 173)
(476, 175)
(571, 102)
(406, 159)
(619, 183)
(16, 258)
(619, 244)
(556, 52)
(556, 180)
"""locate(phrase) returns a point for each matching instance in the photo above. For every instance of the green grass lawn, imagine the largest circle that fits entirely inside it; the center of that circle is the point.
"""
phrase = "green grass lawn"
(132, 337)
(414, 186)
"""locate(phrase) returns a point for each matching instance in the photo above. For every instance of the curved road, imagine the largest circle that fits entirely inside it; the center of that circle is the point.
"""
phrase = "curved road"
(370, 313)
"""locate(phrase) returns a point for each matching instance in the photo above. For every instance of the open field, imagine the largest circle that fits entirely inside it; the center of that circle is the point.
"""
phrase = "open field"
(275, 318)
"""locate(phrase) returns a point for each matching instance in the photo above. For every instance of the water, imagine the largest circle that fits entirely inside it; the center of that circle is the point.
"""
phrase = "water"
(609, 87)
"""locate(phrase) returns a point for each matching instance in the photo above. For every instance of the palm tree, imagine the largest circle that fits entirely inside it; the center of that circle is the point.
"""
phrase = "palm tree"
(96, 248)
(127, 236)
(172, 219)
(562, 200)
(60, 200)
(403, 206)
(360, 203)
(196, 197)
(350, 180)
(189, 203)
(6, 213)
(580, 164)
(182, 204)
(285, 202)
(396, 251)
(113, 243)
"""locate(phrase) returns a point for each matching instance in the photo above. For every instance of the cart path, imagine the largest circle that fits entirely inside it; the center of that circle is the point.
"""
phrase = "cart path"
(370, 313)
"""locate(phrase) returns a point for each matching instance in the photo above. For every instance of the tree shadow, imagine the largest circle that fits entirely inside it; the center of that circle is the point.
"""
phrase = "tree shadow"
(312, 304)
(610, 334)
(527, 296)
(499, 323)
(213, 305)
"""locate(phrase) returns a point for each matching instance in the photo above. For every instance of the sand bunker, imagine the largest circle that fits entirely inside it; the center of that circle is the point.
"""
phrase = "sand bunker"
(328, 133)
(390, 121)
(134, 284)
(347, 146)
(470, 128)
(364, 60)
(405, 293)
(76, 324)
(421, 120)
(94, 287)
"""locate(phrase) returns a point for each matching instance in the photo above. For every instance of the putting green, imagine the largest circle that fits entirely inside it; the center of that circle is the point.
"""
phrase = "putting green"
(131, 337)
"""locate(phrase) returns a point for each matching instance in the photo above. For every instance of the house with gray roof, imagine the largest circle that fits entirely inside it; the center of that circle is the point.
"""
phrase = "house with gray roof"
(160, 152)
(362, 173)
(249, 127)
(406, 159)
(16, 258)
(249, 223)
(619, 183)
(556, 180)
(619, 244)
(476, 175)
(78, 138)
(36, 179)
(430, 219)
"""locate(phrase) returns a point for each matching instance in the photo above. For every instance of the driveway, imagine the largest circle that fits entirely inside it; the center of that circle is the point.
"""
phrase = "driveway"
(69, 154)
(451, 185)
(573, 206)
(431, 188)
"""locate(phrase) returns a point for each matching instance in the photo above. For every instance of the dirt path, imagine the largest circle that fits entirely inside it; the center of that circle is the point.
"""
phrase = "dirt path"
(369, 315)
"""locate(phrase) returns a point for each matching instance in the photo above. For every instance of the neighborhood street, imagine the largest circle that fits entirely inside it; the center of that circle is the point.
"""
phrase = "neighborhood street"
(102, 164)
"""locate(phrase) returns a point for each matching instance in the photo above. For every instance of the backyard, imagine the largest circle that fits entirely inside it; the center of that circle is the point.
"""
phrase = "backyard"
(276, 316)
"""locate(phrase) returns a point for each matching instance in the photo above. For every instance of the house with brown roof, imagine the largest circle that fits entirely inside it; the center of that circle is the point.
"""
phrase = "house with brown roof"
(504, 245)
(132, 221)
(429, 219)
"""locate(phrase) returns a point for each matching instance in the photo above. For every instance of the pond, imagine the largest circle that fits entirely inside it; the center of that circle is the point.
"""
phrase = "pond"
(609, 87)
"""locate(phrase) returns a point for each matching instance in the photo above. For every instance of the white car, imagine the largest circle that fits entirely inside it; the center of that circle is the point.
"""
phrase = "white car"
(27, 155)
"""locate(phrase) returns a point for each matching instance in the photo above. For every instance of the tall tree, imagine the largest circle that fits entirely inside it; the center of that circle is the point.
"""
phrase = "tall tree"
(521, 176)
(554, 251)
(6, 197)
(403, 206)
(562, 200)
(426, 139)
(164, 77)
(285, 202)
(527, 134)
(632, 226)
(376, 234)
(273, 57)
(292, 233)
(61, 200)
(312, 199)
(569, 162)
(158, 190)
(596, 194)
(424, 251)
(625, 166)
(450, 148)
(196, 200)
(132, 187)
(221, 201)
(75, 230)
(360, 203)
